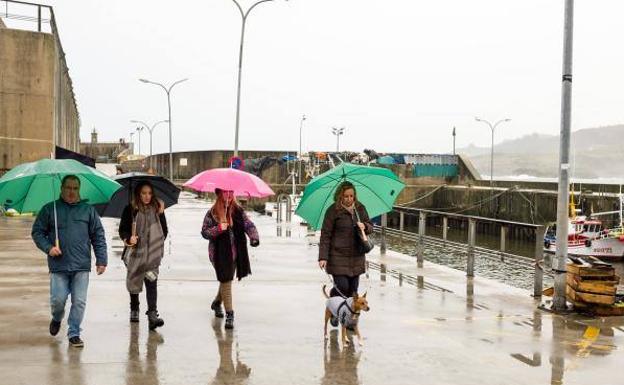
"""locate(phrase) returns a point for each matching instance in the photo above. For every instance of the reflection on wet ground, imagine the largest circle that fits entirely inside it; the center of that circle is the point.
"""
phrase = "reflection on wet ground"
(340, 365)
(229, 371)
(435, 326)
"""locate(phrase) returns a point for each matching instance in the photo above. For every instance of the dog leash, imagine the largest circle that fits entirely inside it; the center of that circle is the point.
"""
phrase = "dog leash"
(331, 280)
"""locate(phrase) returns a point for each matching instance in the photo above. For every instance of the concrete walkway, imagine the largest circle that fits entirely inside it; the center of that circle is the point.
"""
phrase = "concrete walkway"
(445, 329)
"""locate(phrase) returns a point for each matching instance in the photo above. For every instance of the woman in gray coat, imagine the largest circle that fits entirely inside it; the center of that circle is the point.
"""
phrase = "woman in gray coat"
(143, 229)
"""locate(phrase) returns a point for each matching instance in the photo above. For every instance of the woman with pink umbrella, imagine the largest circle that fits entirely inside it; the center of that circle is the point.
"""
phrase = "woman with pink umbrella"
(227, 227)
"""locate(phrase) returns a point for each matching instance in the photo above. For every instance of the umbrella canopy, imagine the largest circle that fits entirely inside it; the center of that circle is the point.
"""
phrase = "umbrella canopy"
(163, 189)
(240, 182)
(29, 186)
(377, 188)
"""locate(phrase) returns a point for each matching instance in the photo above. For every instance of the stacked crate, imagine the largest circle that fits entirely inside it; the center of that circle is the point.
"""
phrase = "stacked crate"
(591, 285)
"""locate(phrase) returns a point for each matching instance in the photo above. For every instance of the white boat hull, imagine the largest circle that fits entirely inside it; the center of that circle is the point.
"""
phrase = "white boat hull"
(605, 248)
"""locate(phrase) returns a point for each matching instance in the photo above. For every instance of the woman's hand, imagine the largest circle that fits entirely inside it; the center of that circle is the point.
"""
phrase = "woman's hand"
(223, 226)
(161, 206)
(322, 264)
(133, 240)
(362, 226)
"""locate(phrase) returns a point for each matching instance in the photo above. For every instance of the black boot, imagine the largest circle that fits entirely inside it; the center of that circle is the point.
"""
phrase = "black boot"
(154, 321)
(229, 319)
(134, 316)
(218, 310)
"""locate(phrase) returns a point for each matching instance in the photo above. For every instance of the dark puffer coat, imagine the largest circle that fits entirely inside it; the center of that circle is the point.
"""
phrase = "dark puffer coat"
(338, 240)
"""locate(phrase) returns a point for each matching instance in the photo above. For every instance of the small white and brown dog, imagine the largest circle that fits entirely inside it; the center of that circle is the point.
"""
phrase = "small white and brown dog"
(347, 312)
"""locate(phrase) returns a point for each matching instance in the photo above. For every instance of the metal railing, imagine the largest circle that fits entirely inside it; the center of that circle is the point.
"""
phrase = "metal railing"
(469, 247)
(284, 208)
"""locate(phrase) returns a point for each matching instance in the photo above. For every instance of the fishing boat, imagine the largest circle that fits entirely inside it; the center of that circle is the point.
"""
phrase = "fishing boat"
(587, 236)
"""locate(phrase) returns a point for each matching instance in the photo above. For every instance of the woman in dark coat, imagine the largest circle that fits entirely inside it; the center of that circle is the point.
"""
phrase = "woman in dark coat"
(227, 227)
(143, 229)
(339, 254)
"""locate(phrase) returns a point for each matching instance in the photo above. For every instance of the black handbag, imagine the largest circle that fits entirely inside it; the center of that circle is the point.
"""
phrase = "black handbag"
(364, 243)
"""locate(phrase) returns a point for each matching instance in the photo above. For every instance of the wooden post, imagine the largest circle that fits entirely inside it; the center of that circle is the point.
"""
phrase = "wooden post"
(422, 224)
(538, 282)
(384, 225)
(400, 279)
(444, 228)
(472, 237)
(503, 238)
(382, 270)
(401, 223)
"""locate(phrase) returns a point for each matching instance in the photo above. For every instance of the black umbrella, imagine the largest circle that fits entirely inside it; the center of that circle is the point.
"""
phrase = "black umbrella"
(163, 189)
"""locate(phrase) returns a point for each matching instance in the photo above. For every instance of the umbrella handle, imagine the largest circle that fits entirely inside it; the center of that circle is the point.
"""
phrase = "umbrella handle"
(364, 236)
(56, 242)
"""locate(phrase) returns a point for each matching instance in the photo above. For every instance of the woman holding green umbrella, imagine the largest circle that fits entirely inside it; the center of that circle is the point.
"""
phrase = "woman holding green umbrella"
(339, 254)
(341, 201)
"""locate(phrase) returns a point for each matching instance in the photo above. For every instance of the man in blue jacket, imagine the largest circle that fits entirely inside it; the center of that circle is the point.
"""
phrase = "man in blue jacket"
(69, 261)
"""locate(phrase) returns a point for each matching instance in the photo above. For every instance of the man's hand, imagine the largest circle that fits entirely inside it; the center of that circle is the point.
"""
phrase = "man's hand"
(100, 270)
(322, 264)
(54, 251)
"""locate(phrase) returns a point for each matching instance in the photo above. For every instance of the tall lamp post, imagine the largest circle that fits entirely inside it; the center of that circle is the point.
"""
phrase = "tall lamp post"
(139, 129)
(303, 117)
(338, 132)
(493, 128)
(454, 140)
(168, 91)
(131, 141)
(561, 255)
(150, 130)
(244, 15)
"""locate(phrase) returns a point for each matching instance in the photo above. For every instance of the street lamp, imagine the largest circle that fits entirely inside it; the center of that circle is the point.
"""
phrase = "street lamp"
(338, 131)
(150, 130)
(168, 91)
(492, 127)
(303, 117)
(131, 135)
(244, 15)
(454, 140)
(139, 129)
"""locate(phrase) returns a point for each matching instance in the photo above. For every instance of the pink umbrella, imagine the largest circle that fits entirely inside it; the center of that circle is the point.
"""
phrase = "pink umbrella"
(240, 182)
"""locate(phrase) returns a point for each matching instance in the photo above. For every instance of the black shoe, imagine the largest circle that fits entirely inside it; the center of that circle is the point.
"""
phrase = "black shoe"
(334, 321)
(55, 326)
(218, 310)
(76, 342)
(134, 316)
(229, 319)
(154, 321)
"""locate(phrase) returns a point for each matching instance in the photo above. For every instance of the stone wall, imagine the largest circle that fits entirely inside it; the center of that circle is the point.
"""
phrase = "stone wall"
(27, 94)
(37, 103)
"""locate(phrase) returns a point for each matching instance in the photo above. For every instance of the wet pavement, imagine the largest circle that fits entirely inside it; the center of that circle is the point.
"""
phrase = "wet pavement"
(444, 329)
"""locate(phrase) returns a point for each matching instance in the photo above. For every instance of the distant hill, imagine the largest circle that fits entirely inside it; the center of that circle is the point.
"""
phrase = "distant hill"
(596, 153)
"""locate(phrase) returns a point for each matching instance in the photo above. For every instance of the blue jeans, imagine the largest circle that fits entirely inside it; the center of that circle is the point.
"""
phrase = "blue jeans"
(61, 286)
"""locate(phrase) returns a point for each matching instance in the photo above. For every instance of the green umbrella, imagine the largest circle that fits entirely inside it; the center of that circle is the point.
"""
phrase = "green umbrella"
(377, 188)
(29, 186)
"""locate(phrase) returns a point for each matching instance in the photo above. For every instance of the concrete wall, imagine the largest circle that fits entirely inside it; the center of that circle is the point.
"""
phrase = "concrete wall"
(36, 98)
(198, 161)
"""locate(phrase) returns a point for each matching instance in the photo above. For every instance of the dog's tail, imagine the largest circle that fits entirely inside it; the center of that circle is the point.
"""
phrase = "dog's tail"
(325, 291)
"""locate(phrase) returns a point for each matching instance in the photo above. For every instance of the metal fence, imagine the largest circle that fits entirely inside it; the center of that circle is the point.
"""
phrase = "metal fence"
(468, 247)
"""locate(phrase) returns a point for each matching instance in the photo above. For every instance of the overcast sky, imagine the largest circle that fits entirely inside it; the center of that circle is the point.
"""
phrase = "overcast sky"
(398, 74)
